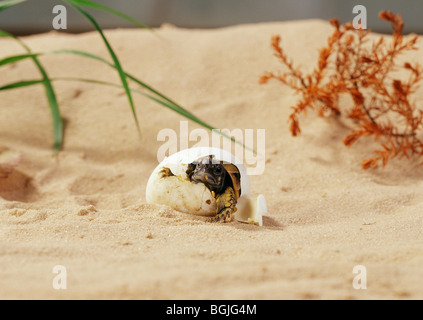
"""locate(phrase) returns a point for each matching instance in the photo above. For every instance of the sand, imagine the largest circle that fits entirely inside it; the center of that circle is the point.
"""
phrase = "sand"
(85, 209)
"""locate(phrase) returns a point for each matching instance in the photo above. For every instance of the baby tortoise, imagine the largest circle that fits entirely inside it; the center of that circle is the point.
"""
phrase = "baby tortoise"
(222, 179)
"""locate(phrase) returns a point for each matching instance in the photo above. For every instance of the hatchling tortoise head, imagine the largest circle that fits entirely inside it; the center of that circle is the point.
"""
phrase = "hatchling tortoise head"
(215, 175)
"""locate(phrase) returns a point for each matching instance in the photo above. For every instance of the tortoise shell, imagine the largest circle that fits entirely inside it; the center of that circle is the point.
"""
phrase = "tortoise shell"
(235, 176)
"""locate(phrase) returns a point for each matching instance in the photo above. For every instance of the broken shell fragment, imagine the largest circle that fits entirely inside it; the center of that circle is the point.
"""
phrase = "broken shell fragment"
(251, 210)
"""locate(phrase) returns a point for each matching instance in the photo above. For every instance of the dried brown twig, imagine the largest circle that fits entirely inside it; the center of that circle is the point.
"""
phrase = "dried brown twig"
(382, 105)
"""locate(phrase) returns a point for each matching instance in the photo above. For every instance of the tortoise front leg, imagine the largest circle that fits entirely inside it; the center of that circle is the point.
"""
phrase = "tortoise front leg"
(226, 206)
(165, 173)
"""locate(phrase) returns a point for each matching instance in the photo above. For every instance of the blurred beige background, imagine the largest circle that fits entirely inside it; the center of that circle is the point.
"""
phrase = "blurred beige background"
(36, 15)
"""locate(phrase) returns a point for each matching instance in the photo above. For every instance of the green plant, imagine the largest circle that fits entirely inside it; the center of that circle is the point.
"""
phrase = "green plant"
(47, 81)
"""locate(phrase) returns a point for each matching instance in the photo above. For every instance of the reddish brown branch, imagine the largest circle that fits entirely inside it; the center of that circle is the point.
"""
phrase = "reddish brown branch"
(382, 106)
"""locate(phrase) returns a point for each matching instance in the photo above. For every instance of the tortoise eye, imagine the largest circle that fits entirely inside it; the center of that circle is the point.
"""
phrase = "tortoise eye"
(218, 170)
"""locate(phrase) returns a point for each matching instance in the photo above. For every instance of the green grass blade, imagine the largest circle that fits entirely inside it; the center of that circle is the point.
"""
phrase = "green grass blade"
(50, 94)
(5, 34)
(55, 113)
(54, 106)
(168, 105)
(9, 3)
(20, 84)
(16, 58)
(118, 66)
(98, 6)
(28, 83)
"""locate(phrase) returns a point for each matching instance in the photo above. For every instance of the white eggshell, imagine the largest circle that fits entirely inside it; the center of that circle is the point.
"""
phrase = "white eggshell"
(181, 194)
(251, 210)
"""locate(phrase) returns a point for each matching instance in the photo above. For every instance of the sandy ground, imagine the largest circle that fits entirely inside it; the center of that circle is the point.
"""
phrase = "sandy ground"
(85, 208)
